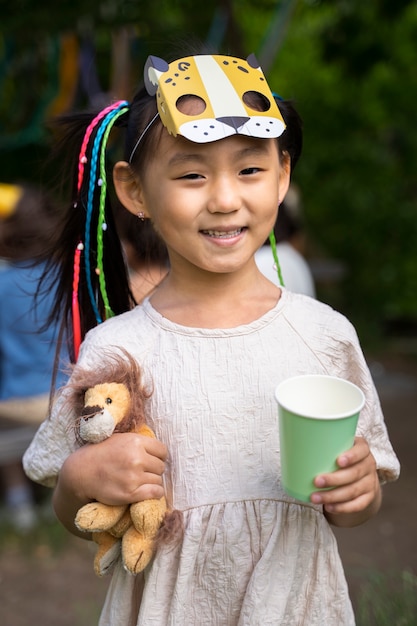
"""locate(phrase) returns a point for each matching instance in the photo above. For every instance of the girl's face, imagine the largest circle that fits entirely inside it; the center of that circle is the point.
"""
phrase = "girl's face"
(213, 204)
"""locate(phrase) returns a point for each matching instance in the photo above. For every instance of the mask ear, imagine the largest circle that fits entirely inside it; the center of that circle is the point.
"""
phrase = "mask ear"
(253, 61)
(154, 67)
(128, 188)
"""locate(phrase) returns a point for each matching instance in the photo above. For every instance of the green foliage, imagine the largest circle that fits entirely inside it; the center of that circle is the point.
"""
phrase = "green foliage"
(352, 70)
(47, 537)
(351, 67)
(388, 600)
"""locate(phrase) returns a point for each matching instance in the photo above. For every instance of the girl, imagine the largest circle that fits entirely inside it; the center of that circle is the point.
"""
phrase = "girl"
(213, 340)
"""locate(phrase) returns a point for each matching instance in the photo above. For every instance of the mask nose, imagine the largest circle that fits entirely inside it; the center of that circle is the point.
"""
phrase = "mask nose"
(235, 121)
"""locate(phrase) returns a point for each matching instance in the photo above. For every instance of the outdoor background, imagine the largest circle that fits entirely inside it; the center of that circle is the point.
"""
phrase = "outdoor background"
(351, 67)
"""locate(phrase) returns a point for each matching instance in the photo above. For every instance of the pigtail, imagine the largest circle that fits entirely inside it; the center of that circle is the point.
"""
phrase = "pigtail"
(88, 265)
(92, 196)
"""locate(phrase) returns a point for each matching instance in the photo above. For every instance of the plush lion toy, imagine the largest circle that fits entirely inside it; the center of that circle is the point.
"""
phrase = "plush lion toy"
(111, 399)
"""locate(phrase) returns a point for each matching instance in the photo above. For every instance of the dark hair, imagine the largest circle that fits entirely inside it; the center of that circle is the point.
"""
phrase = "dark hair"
(291, 140)
(147, 245)
(73, 129)
(70, 132)
(287, 224)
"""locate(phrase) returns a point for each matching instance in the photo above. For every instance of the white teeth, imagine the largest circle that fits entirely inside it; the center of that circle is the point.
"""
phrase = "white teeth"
(222, 233)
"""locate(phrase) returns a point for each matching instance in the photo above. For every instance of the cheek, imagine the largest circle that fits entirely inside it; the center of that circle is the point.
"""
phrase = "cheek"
(171, 212)
(270, 222)
(270, 197)
(169, 227)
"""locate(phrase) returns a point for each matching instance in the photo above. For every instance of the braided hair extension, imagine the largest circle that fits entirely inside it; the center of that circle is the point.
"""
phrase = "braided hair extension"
(87, 263)
(65, 262)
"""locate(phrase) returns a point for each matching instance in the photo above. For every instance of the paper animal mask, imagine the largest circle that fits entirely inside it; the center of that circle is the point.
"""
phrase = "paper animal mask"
(229, 92)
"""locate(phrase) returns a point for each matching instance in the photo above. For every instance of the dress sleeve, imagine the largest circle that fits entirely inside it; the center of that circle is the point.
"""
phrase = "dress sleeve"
(54, 440)
(52, 444)
(333, 340)
(371, 424)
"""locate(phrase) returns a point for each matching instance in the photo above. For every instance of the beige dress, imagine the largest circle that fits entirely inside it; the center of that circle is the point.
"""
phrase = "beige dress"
(251, 555)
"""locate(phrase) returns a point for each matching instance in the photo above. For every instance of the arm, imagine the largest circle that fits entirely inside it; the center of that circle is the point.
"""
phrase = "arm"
(123, 469)
(356, 493)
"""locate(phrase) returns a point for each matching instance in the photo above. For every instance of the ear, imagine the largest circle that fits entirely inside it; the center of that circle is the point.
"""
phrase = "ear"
(284, 175)
(128, 188)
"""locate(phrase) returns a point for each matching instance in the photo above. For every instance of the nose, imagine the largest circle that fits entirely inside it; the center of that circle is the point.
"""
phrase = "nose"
(224, 195)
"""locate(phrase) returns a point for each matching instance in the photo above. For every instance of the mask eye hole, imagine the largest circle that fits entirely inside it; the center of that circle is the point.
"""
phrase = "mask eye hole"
(256, 101)
(190, 104)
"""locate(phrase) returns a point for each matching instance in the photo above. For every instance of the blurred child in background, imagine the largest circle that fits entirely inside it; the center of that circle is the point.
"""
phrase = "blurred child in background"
(28, 226)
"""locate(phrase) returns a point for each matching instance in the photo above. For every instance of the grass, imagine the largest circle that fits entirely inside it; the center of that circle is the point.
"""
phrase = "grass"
(47, 533)
(388, 600)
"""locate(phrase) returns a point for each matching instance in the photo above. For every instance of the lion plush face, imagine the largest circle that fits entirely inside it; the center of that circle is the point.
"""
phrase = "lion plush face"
(105, 406)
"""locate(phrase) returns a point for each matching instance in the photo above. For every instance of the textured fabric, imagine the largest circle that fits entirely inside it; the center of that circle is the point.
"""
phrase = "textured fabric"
(251, 555)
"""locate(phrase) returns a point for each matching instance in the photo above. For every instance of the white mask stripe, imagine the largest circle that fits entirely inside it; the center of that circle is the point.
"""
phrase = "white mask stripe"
(222, 94)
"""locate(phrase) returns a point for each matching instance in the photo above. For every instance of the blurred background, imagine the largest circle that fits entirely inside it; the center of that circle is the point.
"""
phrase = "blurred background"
(351, 68)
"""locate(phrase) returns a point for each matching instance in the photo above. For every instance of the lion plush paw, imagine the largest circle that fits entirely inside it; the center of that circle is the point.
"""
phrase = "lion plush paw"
(108, 552)
(98, 517)
(138, 543)
(137, 550)
(148, 515)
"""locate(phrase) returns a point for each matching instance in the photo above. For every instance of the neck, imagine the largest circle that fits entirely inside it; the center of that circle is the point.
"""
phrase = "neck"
(221, 301)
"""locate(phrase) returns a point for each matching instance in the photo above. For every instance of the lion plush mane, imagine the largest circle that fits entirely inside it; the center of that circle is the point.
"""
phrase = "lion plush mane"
(117, 367)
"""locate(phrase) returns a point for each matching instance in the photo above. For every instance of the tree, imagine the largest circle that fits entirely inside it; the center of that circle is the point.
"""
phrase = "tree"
(350, 66)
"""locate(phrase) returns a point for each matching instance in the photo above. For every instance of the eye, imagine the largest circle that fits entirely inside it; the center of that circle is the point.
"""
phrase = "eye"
(250, 170)
(192, 176)
(108, 400)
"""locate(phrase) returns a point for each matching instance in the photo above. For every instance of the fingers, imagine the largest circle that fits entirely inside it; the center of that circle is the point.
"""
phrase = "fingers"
(358, 452)
(124, 468)
(146, 467)
(155, 448)
(348, 498)
(147, 491)
(354, 486)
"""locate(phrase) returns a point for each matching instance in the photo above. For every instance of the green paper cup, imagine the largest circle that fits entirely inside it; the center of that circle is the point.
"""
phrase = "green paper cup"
(318, 416)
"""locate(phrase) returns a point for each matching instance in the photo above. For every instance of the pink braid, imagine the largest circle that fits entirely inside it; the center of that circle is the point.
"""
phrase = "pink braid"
(82, 160)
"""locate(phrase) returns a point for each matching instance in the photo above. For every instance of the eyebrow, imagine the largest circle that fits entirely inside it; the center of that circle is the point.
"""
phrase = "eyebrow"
(181, 158)
(257, 150)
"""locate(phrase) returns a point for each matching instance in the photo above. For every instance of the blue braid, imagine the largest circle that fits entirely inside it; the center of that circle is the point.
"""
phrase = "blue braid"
(90, 203)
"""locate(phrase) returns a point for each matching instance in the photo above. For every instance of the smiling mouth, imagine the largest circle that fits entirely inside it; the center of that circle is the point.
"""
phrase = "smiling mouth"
(224, 234)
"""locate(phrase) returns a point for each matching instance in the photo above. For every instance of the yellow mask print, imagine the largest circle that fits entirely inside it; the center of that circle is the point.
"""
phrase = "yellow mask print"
(230, 92)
